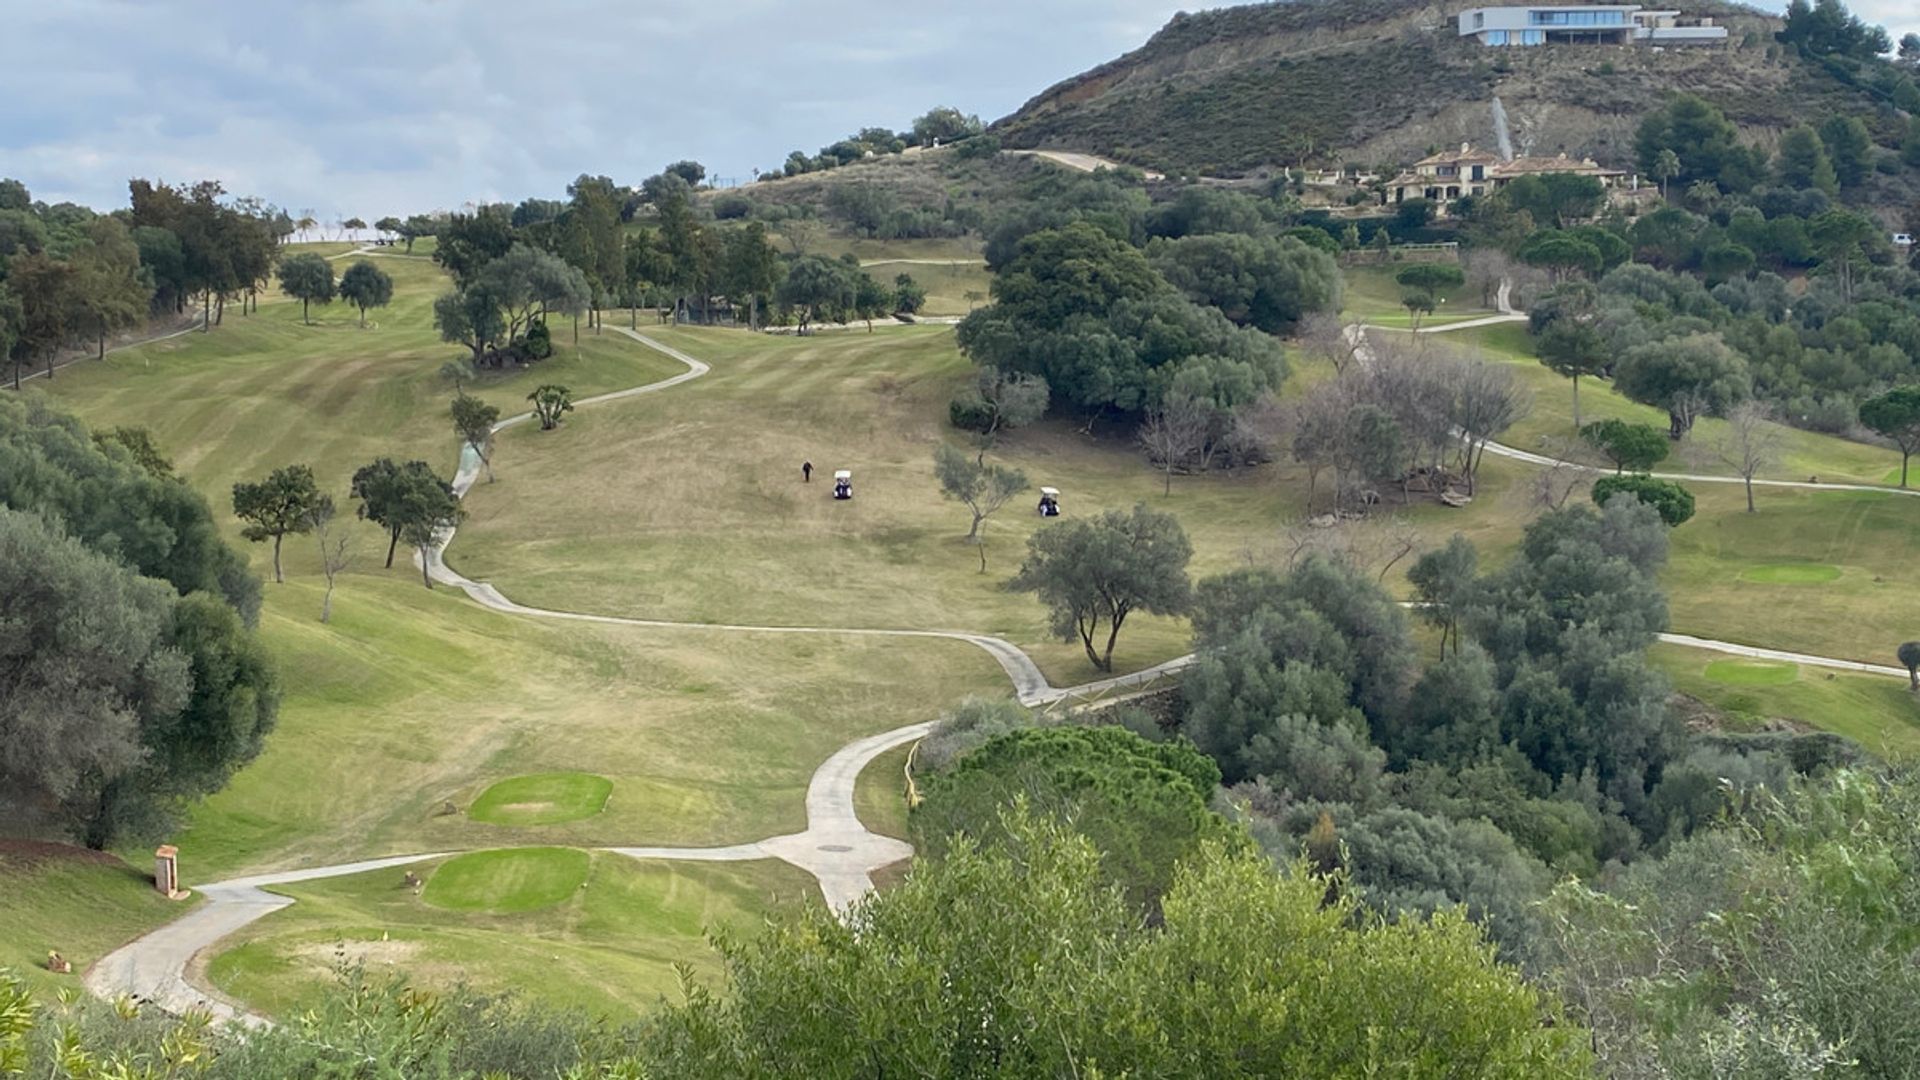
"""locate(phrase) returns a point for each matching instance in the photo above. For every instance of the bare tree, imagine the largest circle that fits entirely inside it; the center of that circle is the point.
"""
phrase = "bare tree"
(1175, 434)
(1751, 442)
(335, 551)
(1486, 268)
(1556, 483)
(1325, 334)
(1486, 402)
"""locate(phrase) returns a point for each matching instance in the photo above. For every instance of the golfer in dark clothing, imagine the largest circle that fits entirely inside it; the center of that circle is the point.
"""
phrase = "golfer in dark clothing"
(806, 472)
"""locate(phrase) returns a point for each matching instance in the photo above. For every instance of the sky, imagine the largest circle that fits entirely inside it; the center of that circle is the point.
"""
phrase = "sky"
(374, 107)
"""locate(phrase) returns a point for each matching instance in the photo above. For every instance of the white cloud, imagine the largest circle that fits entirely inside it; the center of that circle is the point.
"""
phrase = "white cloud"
(378, 106)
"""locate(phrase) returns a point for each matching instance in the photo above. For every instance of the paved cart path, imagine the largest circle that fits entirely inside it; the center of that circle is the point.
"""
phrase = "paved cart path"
(836, 848)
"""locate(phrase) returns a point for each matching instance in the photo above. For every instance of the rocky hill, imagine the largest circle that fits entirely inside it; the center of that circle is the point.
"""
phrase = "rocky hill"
(1242, 89)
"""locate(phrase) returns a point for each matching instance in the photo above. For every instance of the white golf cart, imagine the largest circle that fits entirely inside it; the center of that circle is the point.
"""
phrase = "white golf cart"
(1049, 502)
(843, 484)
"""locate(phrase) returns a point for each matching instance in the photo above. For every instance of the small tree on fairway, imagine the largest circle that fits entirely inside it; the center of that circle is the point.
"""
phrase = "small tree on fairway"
(1572, 348)
(282, 503)
(334, 553)
(473, 421)
(549, 402)
(426, 506)
(1420, 285)
(365, 285)
(983, 488)
(1910, 658)
(1672, 502)
(908, 296)
(307, 278)
(1751, 442)
(1093, 573)
(386, 490)
(1896, 415)
(1638, 447)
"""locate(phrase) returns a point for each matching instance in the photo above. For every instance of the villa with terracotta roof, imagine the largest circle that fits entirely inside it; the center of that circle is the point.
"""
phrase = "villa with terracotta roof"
(1442, 178)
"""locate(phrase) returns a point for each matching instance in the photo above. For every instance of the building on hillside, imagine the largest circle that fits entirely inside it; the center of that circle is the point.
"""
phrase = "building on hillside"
(1587, 24)
(1442, 178)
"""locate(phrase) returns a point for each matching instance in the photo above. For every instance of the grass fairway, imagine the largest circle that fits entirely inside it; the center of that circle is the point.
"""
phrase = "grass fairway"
(542, 799)
(1549, 427)
(1752, 672)
(947, 283)
(507, 881)
(83, 904)
(1875, 711)
(880, 794)
(1831, 573)
(609, 947)
(1373, 296)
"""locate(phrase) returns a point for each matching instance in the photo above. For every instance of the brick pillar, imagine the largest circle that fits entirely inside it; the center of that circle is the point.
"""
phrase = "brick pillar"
(166, 870)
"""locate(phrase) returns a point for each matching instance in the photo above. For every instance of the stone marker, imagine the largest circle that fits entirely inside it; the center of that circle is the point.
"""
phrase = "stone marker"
(166, 872)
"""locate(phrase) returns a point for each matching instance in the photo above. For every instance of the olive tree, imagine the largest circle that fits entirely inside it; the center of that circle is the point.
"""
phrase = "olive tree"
(1638, 447)
(982, 488)
(1094, 573)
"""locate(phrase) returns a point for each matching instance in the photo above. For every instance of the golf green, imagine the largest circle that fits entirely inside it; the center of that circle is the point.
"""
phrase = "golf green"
(508, 880)
(1752, 672)
(542, 799)
(1791, 573)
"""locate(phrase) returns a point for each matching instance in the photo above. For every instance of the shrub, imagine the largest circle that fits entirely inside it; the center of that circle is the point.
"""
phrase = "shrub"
(968, 411)
(1672, 502)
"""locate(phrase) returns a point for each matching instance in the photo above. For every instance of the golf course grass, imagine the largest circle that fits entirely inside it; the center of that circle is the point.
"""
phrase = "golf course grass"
(609, 947)
(82, 904)
(1791, 574)
(1872, 710)
(562, 737)
(542, 799)
(1752, 672)
(507, 881)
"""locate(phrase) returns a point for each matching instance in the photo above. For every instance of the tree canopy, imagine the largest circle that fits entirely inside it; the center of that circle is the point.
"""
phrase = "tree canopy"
(1092, 573)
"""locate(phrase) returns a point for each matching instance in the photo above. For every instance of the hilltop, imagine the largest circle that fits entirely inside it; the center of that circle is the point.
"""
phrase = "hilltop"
(1239, 90)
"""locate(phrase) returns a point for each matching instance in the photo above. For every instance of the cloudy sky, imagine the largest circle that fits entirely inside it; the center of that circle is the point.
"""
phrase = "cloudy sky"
(369, 107)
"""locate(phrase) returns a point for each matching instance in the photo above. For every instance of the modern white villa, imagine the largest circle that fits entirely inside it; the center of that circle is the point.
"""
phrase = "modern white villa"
(1587, 24)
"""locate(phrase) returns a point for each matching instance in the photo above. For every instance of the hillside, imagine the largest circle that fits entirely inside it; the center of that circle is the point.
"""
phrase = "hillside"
(1232, 91)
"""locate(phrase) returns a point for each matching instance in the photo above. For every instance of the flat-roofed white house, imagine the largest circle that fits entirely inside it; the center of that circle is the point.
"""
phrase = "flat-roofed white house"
(1587, 24)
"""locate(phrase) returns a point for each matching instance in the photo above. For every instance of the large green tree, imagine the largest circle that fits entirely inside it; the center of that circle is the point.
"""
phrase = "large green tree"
(1895, 415)
(1094, 573)
(1020, 960)
(365, 286)
(1266, 282)
(393, 494)
(1688, 376)
(283, 503)
(307, 278)
(1143, 804)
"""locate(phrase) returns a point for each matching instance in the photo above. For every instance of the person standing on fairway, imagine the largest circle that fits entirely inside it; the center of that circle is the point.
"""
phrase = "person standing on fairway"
(806, 472)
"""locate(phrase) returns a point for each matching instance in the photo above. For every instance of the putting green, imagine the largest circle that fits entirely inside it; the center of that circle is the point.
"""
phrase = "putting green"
(508, 880)
(542, 799)
(1791, 573)
(1752, 672)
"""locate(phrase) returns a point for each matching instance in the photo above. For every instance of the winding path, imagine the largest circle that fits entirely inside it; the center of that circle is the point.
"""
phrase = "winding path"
(836, 848)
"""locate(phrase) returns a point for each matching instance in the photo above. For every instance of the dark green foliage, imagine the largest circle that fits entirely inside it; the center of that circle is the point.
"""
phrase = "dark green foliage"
(365, 286)
(1635, 447)
(307, 278)
(1265, 283)
(103, 496)
(1672, 502)
(1706, 142)
(283, 503)
(1142, 804)
(1895, 415)
(1687, 376)
(390, 493)
(1088, 313)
